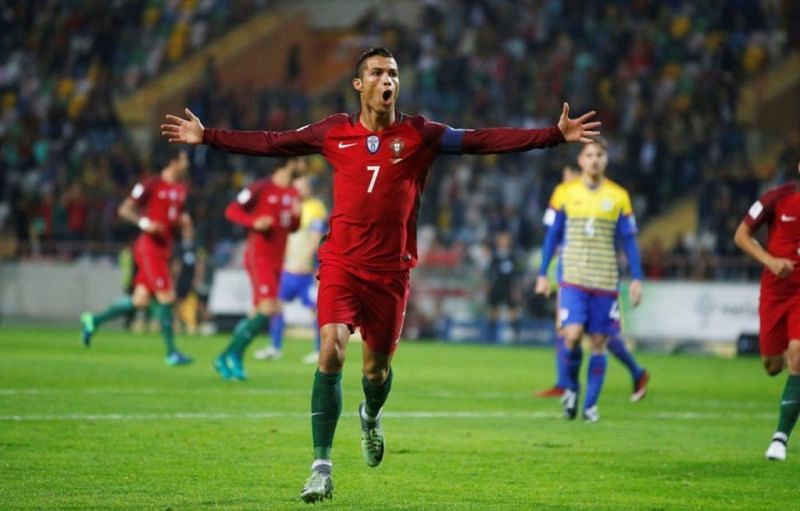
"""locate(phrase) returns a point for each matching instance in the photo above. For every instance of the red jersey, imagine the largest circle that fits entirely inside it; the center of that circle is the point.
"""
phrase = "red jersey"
(378, 176)
(779, 208)
(161, 202)
(265, 198)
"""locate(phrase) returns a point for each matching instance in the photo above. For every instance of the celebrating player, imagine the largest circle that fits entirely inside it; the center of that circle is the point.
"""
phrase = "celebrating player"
(588, 218)
(381, 158)
(270, 210)
(156, 206)
(779, 301)
(297, 278)
(616, 344)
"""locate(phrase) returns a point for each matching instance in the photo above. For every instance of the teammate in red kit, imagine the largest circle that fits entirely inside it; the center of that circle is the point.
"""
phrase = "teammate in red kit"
(156, 206)
(779, 302)
(380, 158)
(270, 210)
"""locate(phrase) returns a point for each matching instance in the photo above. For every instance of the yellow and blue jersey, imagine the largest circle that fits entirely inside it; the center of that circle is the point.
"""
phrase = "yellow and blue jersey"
(591, 224)
(302, 244)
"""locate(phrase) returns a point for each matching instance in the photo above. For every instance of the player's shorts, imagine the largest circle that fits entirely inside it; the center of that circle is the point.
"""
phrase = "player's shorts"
(779, 319)
(265, 278)
(374, 302)
(597, 311)
(298, 286)
(152, 270)
(502, 295)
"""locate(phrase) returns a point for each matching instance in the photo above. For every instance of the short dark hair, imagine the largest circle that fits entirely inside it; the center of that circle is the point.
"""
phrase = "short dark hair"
(370, 52)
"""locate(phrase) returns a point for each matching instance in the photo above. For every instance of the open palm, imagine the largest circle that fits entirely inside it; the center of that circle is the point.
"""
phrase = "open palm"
(580, 129)
(183, 131)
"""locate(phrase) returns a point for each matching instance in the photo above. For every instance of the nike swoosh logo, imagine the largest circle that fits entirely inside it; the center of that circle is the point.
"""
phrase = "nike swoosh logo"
(317, 413)
(342, 145)
(785, 218)
(789, 402)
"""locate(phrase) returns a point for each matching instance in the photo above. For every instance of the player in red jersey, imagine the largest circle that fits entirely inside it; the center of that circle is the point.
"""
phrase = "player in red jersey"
(270, 210)
(380, 160)
(157, 207)
(779, 302)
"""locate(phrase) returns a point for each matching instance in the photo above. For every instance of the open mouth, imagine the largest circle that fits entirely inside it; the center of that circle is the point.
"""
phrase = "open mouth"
(387, 95)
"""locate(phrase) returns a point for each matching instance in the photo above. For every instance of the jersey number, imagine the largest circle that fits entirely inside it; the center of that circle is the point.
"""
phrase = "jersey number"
(375, 169)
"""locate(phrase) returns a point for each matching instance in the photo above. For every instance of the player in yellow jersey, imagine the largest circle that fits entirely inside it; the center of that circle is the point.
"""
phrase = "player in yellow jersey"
(297, 278)
(590, 218)
(616, 344)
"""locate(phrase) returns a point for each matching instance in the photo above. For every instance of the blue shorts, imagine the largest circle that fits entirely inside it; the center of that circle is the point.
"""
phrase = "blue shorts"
(294, 285)
(598, 312)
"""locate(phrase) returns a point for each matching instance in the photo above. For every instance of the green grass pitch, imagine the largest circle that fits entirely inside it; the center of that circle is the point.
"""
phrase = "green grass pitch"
(112, 427)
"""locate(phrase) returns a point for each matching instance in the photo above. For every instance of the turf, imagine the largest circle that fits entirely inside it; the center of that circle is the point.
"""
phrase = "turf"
(112, 427)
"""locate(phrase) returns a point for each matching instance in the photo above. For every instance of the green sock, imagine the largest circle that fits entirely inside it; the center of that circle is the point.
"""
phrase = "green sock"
(121, 307)
(326, 407)
(244, 333)
(790, 405)
(164, 315)
(376, 394)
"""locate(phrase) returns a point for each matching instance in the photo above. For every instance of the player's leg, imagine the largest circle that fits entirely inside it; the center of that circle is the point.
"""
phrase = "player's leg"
(163, 307)
(639, 375)
(557, 390)
(383, 312)
(337, 313)
(574, 313)
(790, 403)
(232, 357)
(286, 294)
(123, 306)
(603, 319)
(595, 377)
(778, 350)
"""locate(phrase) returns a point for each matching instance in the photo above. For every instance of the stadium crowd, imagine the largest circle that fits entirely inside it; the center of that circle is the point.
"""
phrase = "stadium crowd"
(664, 77)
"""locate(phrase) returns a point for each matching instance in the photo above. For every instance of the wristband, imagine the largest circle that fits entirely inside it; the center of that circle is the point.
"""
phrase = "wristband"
(144, 223)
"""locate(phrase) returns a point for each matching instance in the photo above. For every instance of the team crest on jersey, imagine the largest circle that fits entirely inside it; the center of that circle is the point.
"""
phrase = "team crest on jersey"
(272, 199)
(607, 205)
(287, 199)
(397, 146)
(373, 143)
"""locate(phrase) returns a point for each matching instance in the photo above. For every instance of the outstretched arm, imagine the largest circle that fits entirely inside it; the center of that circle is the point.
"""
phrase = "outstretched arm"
(506, 140)
(190, 130)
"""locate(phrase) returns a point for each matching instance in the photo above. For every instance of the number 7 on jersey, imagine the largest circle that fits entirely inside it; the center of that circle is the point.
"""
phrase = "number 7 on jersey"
(375, 169)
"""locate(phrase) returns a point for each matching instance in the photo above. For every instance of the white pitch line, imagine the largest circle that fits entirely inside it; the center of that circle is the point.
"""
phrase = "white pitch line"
(532, 415)
(255, 391)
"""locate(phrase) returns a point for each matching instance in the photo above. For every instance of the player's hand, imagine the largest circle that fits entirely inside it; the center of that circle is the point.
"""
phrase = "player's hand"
(781, 267)
(183, 131)
(635, 292)
(263, 223)
(580, 129)
(542, 286)
(150, 226)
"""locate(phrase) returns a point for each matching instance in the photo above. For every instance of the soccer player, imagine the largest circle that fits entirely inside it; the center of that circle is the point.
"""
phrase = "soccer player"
(270, 210)
(779, 301)
(589, 217)
(380, 158)
(297, 278)
(616, 344)
(156, 206)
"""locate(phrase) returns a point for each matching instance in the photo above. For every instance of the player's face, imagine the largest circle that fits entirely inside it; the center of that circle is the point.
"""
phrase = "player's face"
(379, 84)
(593, 160)
(299, 167)
(303, 186)
(181, 165)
